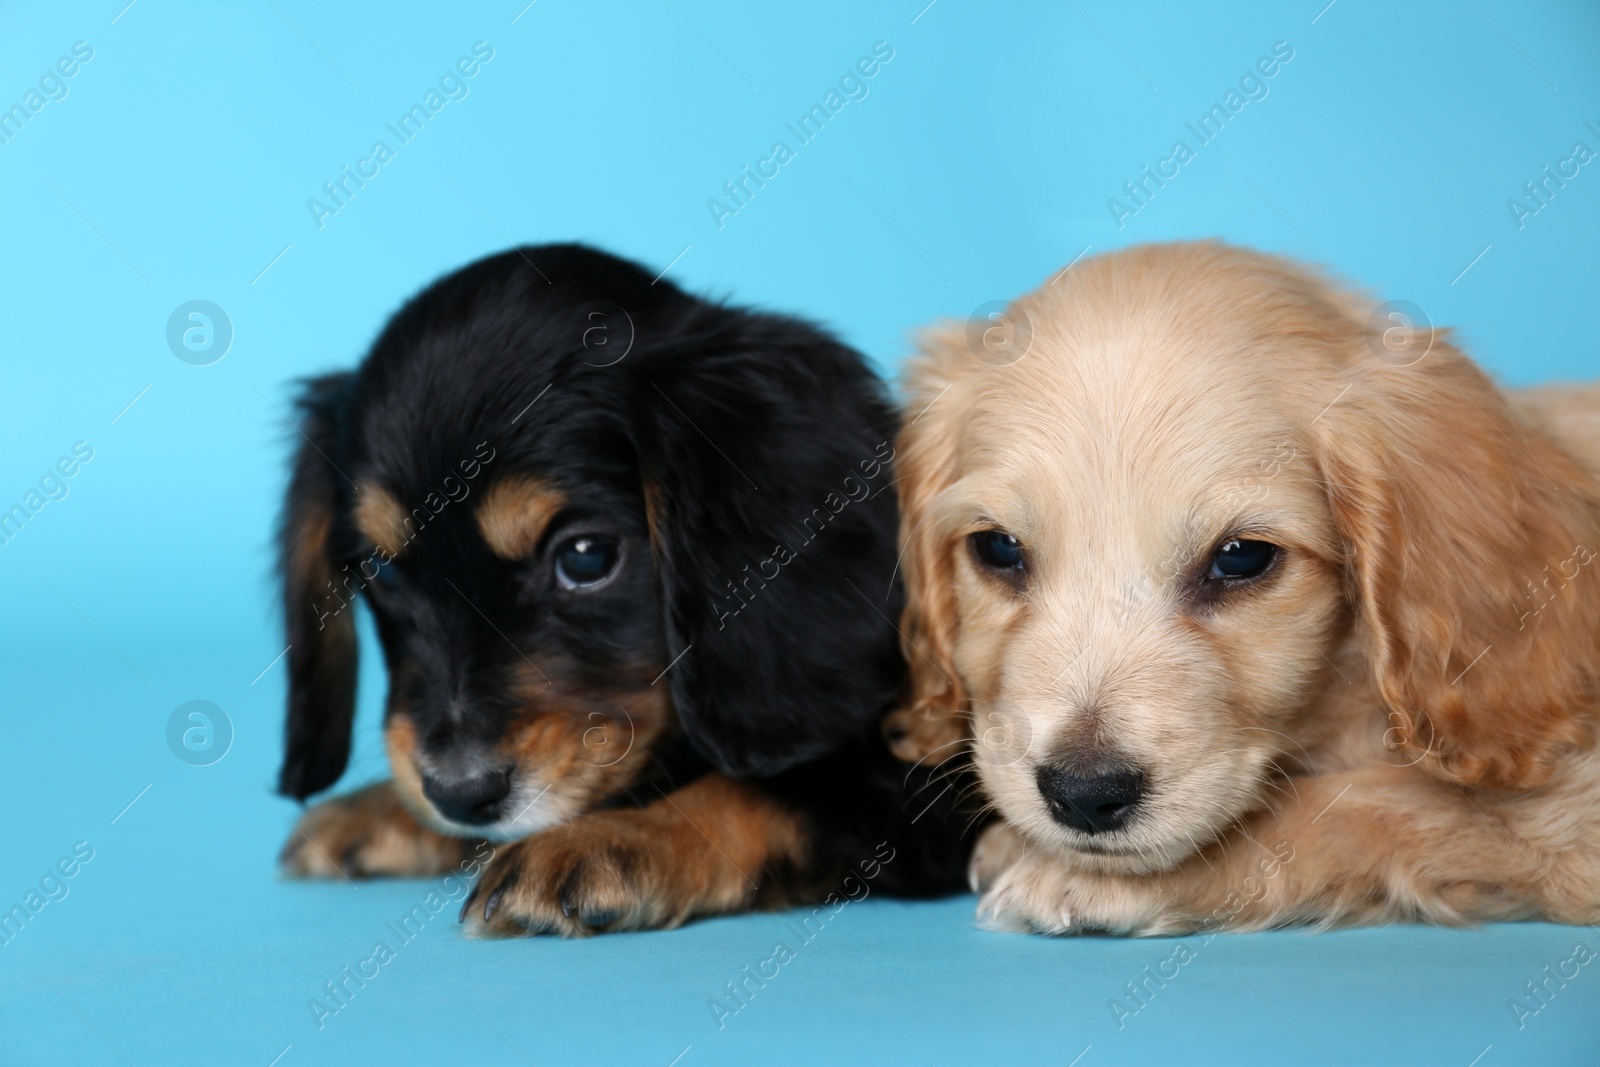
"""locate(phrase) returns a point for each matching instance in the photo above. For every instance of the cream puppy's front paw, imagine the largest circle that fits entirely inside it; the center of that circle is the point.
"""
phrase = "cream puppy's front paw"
(1030, 895)
(1041, 892)
(998, 847)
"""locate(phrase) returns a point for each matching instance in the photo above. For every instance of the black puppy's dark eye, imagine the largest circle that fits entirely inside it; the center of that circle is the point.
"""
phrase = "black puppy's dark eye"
(1239, 559)
(586, 561)
(998, 549)
(375, 577)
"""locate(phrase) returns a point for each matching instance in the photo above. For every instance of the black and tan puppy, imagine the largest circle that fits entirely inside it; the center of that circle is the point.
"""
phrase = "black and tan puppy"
(631, 562)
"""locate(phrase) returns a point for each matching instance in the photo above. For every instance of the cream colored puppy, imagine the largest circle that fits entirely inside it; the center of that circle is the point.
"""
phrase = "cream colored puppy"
(1258, 605)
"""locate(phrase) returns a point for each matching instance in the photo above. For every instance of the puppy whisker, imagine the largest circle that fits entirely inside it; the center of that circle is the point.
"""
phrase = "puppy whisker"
(930, 754)
(1310, 763)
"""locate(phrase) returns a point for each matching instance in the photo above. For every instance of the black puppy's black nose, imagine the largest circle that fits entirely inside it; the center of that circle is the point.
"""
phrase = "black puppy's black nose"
(1094, 803)
(474, 801)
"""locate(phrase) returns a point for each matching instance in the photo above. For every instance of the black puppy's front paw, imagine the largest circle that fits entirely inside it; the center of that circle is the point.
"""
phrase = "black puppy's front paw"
(575, 881)
(368, 834)
(637, 869)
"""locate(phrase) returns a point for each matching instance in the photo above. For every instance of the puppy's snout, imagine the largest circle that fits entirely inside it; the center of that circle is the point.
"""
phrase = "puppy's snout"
(474, 801)
(1095, 802)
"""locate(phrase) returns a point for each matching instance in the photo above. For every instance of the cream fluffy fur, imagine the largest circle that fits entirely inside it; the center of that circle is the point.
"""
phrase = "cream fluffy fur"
(1394, 723)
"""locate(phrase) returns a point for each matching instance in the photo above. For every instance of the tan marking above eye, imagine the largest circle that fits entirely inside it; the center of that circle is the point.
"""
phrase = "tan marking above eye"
(381, 517)
(515, 512)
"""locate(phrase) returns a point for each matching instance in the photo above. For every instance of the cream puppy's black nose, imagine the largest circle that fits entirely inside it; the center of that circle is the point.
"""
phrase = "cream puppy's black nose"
(1095, 802)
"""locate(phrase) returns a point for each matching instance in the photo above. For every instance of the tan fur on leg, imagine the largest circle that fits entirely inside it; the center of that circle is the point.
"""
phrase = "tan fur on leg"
(368, 834)
(702, 850)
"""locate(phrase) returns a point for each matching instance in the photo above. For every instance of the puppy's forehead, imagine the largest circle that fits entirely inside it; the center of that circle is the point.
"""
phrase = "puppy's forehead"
(1166, 408)
(495, 472)
(1137, 407)
(1188, 323)
(411, 436)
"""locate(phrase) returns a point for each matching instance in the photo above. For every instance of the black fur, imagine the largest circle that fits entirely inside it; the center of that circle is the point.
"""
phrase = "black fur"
(761, 580)
(322, 648)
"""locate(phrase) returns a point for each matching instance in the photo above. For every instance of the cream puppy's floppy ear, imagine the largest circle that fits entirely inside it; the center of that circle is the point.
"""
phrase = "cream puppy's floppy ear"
(933, 719)
(1452, 508)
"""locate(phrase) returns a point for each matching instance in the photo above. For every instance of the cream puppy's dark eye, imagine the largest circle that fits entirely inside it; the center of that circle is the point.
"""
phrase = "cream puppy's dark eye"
(1238, 559)
(998, 549)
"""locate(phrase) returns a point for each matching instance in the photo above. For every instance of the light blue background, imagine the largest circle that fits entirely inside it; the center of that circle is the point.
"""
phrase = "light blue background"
(178, 167)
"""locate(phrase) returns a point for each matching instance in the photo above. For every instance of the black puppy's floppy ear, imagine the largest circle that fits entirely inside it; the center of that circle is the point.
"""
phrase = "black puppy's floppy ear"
(765, 453)
(319, 616)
